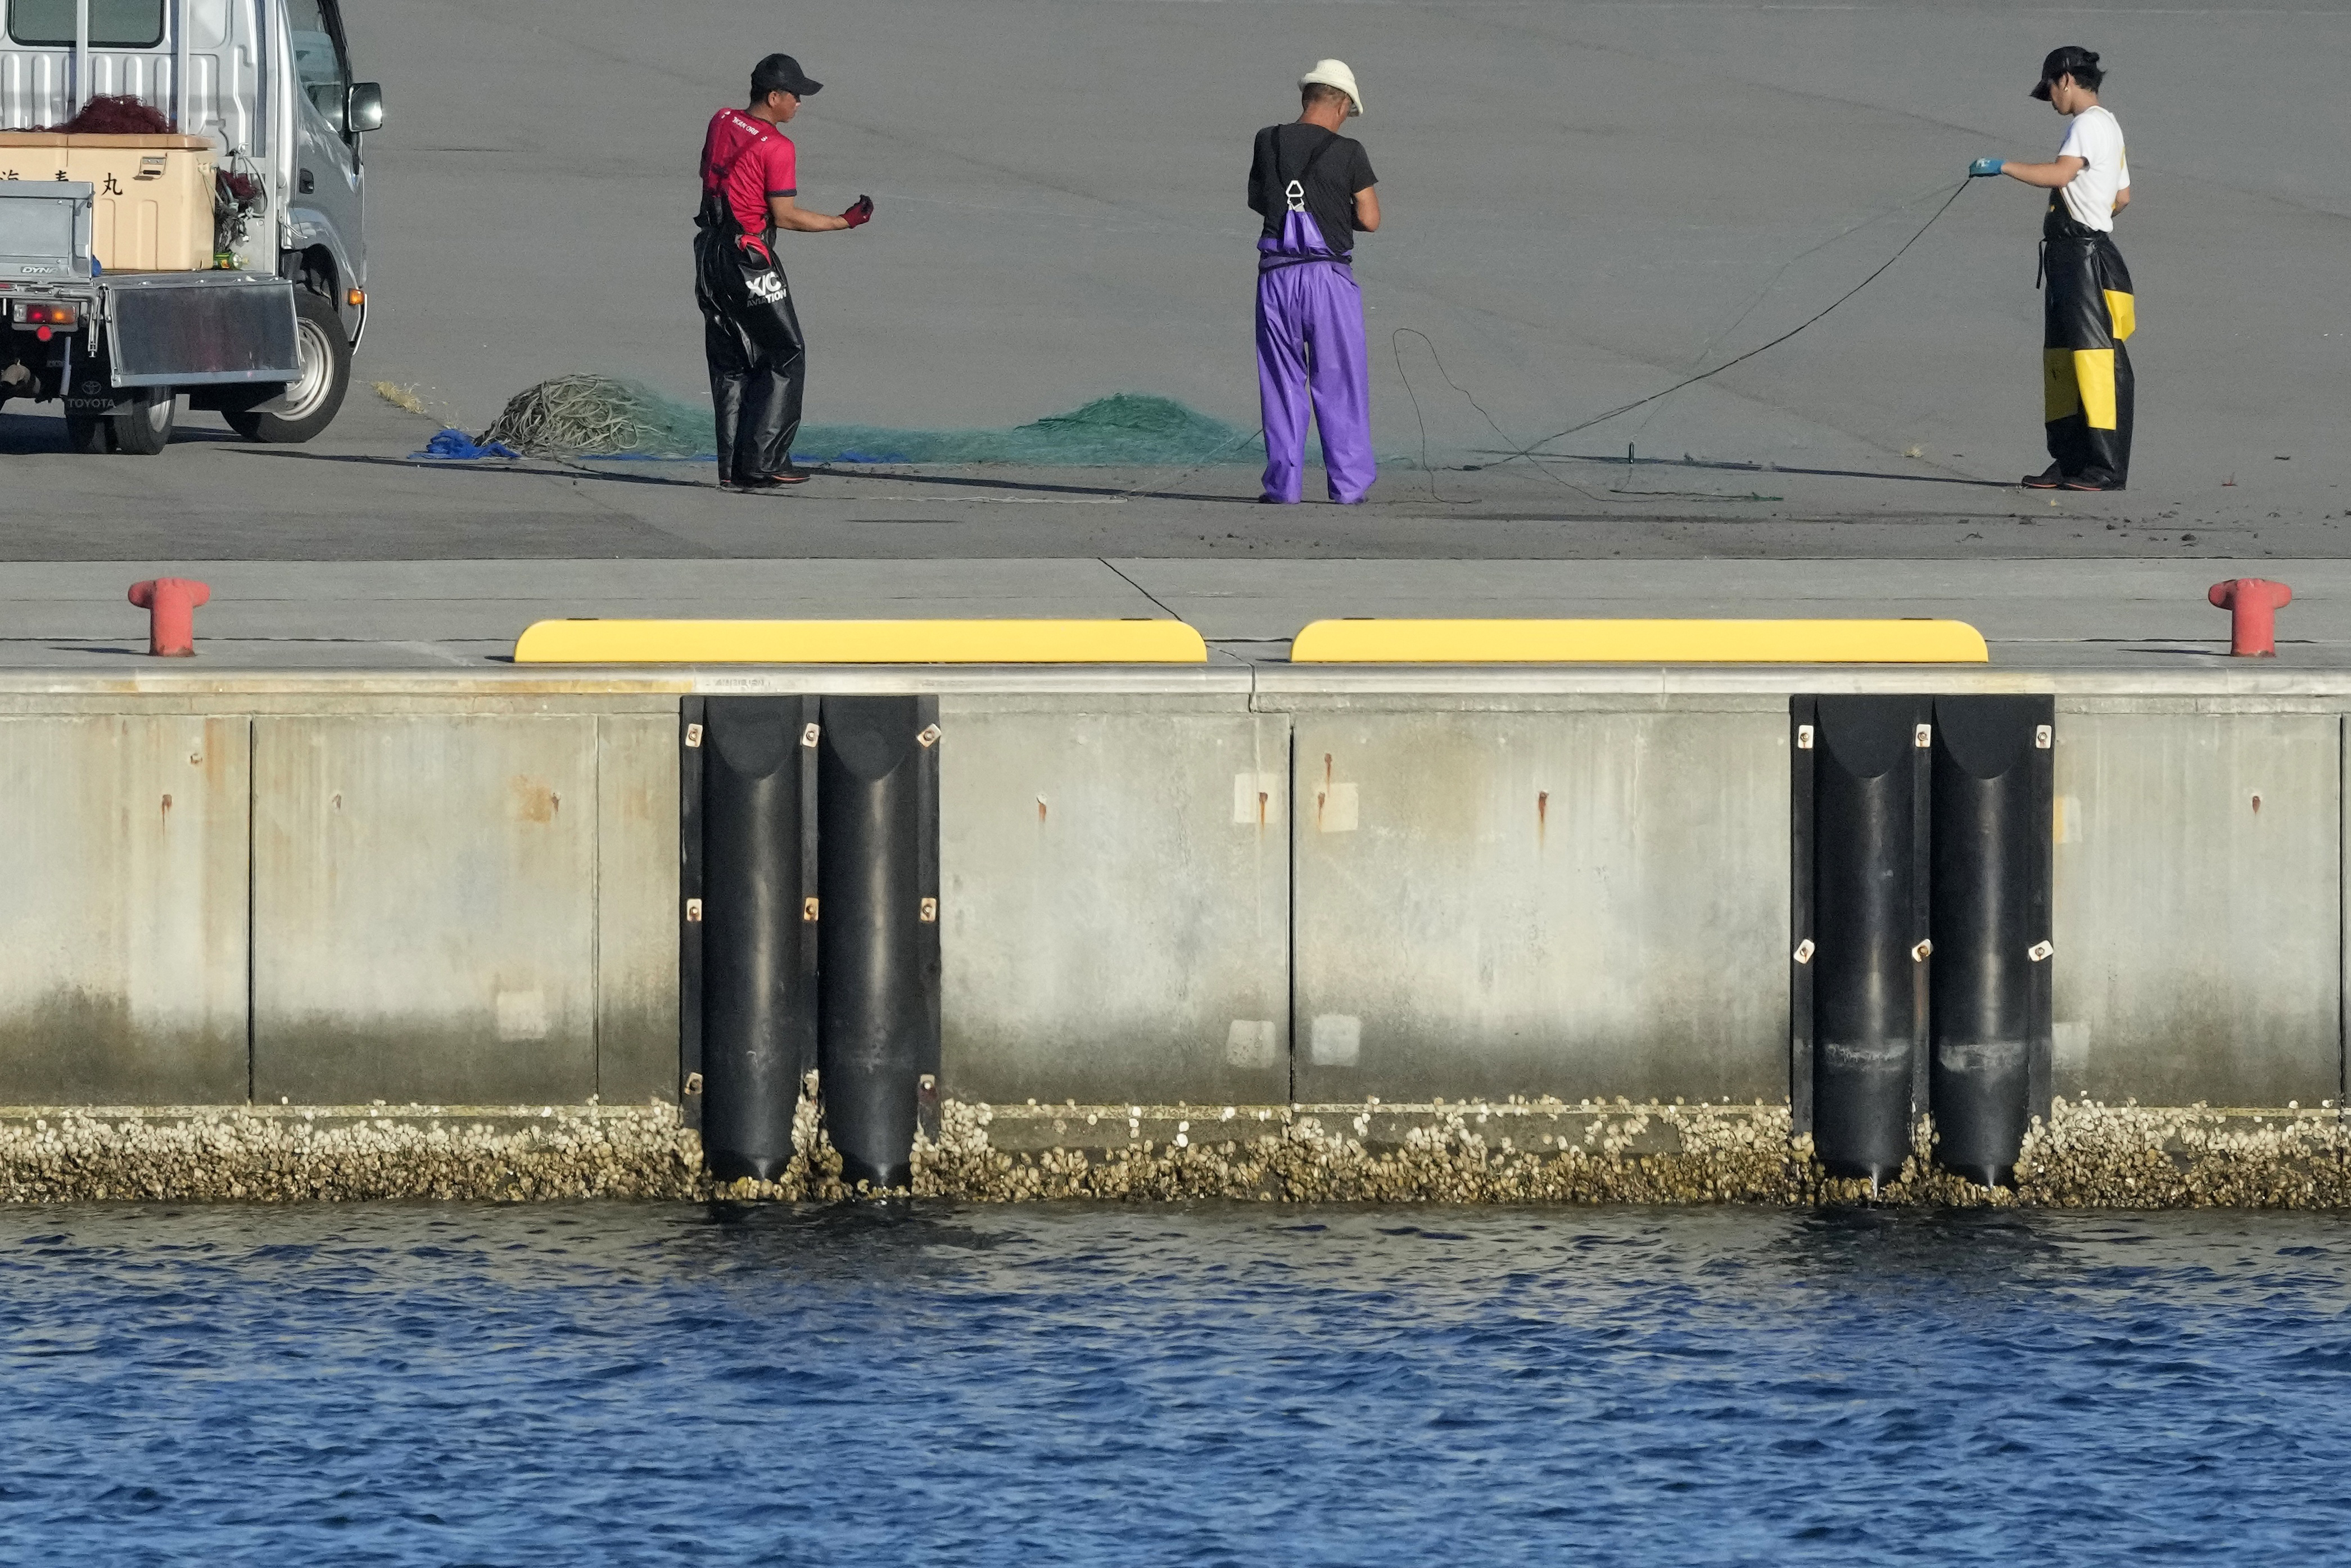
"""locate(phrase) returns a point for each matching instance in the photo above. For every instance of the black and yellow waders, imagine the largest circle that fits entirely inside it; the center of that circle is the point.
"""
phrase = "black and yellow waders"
(2087, 386)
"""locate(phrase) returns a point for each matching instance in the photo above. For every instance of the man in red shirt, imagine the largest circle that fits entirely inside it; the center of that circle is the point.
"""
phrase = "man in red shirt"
(750, 333)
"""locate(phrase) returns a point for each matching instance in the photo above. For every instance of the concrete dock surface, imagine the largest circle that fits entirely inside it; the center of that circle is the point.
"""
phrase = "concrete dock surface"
(349, 554)
(2131, 616)
(1586, 201)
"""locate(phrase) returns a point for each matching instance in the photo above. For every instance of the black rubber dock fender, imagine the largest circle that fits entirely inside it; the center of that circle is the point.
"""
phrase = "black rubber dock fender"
(879, 853)
(1862, 954)
(1993, 811)
(750, 1030)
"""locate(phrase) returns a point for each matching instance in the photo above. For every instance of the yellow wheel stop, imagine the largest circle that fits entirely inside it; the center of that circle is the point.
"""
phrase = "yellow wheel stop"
(1400, 642)
(1008, 642)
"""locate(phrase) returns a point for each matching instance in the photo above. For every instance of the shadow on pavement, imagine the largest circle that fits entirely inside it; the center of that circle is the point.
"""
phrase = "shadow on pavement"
(544, 469)
(24, 435)
(525, 469)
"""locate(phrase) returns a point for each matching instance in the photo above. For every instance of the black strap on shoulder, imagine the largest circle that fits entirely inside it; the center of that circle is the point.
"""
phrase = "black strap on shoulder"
(1331, 140)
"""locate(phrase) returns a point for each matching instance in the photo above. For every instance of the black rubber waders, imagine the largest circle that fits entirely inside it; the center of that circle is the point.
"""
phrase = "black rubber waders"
(1993, 811)
(878, 850)
(1862, 875)
(758, 949)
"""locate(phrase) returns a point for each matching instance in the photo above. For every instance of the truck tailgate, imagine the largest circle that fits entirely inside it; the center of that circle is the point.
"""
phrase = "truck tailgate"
(201, 329)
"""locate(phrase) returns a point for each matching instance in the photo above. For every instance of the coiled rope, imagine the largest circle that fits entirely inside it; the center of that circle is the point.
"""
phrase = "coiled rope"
(594, 415)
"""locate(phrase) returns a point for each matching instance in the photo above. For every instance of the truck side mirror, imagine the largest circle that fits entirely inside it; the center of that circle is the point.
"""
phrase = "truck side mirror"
(364, 109)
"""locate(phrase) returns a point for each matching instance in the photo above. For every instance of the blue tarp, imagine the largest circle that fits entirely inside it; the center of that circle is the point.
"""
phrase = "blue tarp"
(457, 443)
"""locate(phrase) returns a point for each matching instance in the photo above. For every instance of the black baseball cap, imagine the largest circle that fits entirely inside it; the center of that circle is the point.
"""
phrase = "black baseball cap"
(781, 73)
(2070, 60)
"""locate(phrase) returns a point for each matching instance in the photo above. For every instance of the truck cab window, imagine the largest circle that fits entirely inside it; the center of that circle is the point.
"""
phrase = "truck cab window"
(318, 60)
(113, 23)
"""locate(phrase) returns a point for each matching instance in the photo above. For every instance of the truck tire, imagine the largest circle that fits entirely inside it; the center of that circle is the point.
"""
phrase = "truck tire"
(144, 428)
(141, 427)
(311, 402)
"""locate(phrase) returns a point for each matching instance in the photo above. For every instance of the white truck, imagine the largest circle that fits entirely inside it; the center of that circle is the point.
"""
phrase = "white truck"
(258, 323)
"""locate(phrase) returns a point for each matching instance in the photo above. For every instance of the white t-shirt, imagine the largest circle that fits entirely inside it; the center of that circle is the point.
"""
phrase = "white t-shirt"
(2096, 138)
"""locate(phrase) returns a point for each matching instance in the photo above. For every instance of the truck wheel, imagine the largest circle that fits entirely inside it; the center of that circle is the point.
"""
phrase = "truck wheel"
(144, 428)
(311, 401)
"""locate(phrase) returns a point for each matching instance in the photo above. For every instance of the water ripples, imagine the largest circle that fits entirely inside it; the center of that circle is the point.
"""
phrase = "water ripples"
(431, 1384)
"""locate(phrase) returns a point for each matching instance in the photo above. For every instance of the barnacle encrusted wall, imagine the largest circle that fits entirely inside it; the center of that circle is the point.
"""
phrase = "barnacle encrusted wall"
(2086, 1155)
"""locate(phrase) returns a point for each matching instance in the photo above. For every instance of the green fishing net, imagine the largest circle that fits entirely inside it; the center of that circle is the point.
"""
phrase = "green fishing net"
(596, 416)
(1126, 428)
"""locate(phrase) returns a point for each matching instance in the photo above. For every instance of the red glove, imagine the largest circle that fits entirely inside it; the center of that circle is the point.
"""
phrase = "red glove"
(754, 249)
(862, 212)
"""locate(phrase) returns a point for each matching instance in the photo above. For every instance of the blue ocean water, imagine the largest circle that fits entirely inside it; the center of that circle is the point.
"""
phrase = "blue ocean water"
(1242, 1384)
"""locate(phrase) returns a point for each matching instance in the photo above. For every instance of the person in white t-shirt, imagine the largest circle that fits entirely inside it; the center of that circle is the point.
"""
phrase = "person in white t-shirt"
(2090, 309)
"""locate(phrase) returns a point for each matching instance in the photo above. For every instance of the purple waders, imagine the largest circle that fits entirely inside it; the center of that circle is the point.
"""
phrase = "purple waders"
(1310, 335)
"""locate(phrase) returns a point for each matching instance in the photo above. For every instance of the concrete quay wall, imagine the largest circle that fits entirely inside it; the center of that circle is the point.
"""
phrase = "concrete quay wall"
(1242, 884)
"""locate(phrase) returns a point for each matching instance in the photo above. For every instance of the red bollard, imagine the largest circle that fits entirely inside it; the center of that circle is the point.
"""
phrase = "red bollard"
(2252, 604)
(170, 603)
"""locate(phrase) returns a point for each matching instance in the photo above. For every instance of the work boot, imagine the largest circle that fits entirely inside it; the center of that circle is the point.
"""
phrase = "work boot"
(2049, 479)
(769, 484)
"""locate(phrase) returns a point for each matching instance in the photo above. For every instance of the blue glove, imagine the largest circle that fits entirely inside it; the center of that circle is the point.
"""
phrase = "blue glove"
(1982, 167)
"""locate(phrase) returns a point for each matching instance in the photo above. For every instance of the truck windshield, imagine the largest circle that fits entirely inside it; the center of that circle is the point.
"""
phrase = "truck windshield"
(318, 56)
(113, 23)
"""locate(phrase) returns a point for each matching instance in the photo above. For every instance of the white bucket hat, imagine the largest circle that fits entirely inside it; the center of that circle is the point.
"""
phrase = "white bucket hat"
(1335, 73)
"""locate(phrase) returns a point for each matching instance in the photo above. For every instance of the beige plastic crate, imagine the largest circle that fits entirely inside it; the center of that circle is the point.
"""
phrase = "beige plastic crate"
(153, 206)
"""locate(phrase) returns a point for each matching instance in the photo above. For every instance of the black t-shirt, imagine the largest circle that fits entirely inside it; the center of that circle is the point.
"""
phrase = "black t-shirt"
(1283, 152)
